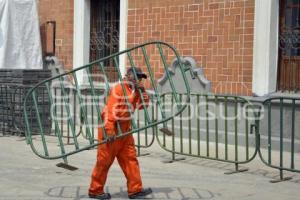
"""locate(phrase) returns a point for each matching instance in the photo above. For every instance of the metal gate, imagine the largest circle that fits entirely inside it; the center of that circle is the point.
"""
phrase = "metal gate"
(55, 87)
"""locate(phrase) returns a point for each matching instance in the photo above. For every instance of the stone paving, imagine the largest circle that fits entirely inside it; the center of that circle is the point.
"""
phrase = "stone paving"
(24, 176)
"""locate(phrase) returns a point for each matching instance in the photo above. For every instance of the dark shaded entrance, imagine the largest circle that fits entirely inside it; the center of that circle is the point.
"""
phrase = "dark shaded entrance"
(105, 21)
(289, 46)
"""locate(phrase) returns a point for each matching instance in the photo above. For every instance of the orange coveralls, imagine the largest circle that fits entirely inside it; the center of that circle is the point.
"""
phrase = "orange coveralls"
(123, 149)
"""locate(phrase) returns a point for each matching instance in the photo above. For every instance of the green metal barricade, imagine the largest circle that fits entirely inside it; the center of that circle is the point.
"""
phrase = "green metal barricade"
(216, 127)
(151, 56)
(282, 117)
(144, 138)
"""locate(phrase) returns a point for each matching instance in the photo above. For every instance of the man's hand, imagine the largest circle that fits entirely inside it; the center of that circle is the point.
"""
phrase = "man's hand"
(111, 138)
(140, 86)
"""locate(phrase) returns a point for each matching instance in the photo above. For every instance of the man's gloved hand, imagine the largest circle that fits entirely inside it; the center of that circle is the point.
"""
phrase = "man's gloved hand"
(111, 138)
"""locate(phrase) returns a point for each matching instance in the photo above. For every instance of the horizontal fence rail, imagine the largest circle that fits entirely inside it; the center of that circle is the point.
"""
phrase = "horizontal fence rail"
(56, 92)
(282, 132)
(216, 127)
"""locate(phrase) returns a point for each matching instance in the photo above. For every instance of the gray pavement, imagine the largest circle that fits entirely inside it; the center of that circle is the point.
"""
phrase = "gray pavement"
(24, 176)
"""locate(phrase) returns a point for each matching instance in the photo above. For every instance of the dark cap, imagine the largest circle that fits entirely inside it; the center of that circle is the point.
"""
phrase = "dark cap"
(138, 71)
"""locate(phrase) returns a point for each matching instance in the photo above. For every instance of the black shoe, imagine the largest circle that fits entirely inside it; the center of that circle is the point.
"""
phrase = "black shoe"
(141, 194)
(102, 196)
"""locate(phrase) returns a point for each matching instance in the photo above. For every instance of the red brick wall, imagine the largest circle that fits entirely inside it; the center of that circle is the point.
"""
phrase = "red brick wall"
(218, 34)
(60, 11)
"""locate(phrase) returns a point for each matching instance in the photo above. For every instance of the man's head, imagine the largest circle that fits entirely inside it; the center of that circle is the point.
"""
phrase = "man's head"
(135, 70)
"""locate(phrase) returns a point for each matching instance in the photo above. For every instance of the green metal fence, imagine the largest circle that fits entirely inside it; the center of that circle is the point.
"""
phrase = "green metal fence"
(215, 127)
(148, 56)
(282, 132)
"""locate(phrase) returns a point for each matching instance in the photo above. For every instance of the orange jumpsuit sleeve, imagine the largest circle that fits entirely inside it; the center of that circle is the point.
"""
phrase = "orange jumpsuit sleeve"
(112, 103)
(139, 103)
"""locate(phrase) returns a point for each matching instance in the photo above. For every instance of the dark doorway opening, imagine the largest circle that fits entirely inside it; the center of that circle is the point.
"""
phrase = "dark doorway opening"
(105, 23)
(288, 79)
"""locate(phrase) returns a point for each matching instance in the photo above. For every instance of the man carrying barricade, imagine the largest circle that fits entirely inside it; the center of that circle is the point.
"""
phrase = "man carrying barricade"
(117, 113)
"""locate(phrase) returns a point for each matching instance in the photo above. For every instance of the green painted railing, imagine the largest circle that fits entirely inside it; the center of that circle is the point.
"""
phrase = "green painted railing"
(39, 139)
(216, 127)
(282, 116)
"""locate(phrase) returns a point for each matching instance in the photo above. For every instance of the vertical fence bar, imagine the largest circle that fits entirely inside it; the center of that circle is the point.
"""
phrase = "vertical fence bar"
(28, 132)
(162, 56)
(68, 113)
(207, 126)
(247, 134)
(216, 128)
(146, 130)
(190, 126)
(226, 129)
(40, 124)
(269, 132)
(83, 111)
(86, 111)
(57, 129)
(43, 108)
(138, 133)
(74, 114)
(99, 118)
(163, 107)
(156, 116)
(180, 127)
(158, 98)
(281, 135)
(198, 124)
(153, 119)
(92, 108)
(68, 125)
(236, 128)
(293, 135)
(101, 65)
(173, 130)
(55, 109)
(62, 112)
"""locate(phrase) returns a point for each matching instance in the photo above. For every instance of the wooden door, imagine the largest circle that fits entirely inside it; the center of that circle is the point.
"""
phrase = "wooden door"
(289, 47)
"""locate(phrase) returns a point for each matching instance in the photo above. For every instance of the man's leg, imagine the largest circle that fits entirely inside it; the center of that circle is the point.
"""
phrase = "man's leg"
(127, 160)
(105, 157)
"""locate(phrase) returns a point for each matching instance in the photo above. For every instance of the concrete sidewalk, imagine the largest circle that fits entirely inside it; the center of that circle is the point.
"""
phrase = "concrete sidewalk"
(24, 176)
